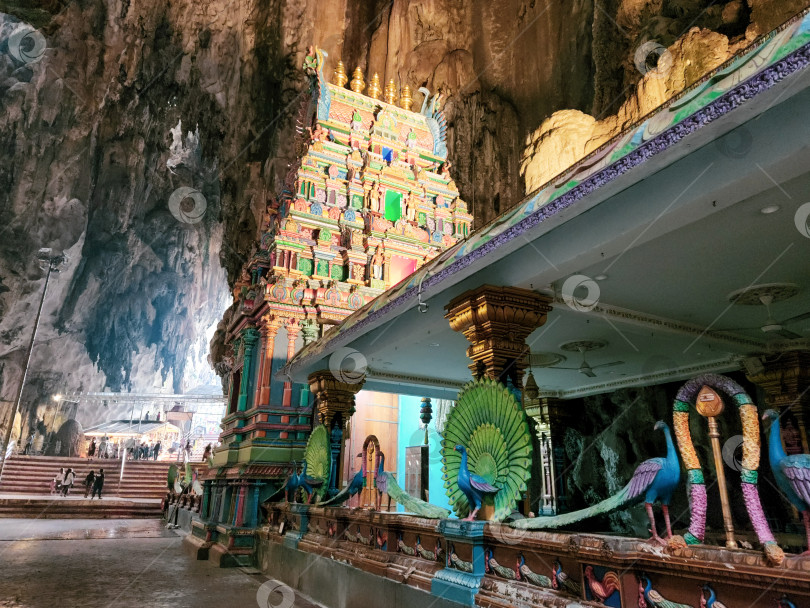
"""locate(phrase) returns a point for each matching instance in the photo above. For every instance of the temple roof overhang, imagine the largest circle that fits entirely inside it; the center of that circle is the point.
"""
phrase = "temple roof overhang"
(665, 223)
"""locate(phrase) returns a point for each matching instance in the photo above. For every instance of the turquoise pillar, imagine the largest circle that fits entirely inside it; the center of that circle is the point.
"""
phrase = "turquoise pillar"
(250, 337)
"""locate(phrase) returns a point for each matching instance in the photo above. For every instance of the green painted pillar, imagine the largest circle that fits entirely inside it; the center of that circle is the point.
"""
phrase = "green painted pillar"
(250, 337)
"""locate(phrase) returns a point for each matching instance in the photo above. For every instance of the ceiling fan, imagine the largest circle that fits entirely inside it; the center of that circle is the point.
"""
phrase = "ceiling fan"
(550, 360)
(765, 295)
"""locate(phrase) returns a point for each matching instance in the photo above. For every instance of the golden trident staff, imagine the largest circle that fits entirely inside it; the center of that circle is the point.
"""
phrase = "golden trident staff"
(710, 405)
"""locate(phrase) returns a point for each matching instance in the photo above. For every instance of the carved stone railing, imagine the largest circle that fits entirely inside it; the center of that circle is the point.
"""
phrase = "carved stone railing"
(503, 566)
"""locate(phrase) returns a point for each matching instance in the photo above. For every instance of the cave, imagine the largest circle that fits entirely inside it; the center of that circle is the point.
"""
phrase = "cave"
(272, 264)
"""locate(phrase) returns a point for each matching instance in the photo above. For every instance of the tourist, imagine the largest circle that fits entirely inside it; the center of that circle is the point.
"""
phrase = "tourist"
(88, 483)
(68, 481)
(91, 451)
(29, 445)
(98, 484)
(188, 449)
(56, 484)
(207, 453)
(102, 448)
(156, 450)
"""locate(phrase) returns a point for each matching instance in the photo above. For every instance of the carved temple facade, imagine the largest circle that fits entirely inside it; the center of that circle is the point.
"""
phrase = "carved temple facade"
(369, 200)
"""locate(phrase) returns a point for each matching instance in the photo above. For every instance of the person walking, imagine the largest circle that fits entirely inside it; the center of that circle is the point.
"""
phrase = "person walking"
(56, 484)
(88, 483)
(29, 445)
(91, 451)
(156, 450)
(188, 450)
(207, 453)
(68, 482)
(98, 484)
(102, 447)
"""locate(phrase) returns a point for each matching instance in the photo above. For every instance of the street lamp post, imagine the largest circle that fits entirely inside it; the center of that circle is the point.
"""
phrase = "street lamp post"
(52, 262)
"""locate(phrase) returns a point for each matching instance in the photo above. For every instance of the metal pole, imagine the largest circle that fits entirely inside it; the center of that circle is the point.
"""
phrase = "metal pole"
(25, 370)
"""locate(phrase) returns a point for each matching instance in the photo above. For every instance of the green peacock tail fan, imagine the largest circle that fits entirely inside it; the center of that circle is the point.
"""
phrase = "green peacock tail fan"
(490, 423)
(610, 504)
(318, 457)
(411, 504)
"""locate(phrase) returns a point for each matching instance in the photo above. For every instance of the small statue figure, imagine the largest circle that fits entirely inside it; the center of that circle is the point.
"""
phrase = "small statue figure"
(376, 265)
(410, 139)
(410, 207)
(445, 169)
(357, 121)
(311, 62)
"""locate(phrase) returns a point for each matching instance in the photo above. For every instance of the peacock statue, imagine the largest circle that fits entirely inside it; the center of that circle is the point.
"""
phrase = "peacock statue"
(650, 598)
(456, 561)
(355, 485)
(293, 483)
(792, 473)
(436, 121)
(426, 553)
(486, 450)
(784, 602)
(381, 481)
(474, 486)
(562, 582)
(309, 484)
(317, 464)
(603, 589)
(491, 565)
(526, 573)
(387, 484)
(401, 546)
(711, 600)
(653, 480)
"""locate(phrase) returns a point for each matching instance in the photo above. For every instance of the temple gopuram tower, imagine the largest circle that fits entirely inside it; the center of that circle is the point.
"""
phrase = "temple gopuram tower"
(368, 201)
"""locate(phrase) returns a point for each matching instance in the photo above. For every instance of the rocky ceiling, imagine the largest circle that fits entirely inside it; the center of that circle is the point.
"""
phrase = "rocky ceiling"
(109, 108)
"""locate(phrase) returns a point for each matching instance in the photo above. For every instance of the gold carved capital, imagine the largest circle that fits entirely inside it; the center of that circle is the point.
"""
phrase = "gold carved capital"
(334, 396)
(497, 321)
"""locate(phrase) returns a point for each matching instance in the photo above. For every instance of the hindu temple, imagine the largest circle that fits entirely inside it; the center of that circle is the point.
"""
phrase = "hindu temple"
(405, 303)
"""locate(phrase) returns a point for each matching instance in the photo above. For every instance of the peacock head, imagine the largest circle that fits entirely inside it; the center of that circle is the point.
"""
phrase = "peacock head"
(770, 415)
(460, 448)
(660, 426)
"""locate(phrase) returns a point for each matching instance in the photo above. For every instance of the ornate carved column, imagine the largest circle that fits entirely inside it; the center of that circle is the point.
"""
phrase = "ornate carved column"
(249, 338)
(269, 330)
(240, 505)
(785, 383)
(292, 334)
(335, 403)
(497, 321)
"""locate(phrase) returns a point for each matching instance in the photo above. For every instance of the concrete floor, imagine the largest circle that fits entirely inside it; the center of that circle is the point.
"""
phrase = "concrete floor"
(121, 563)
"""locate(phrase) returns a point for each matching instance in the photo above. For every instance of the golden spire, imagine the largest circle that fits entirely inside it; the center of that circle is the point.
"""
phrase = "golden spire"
(339, 77)
(357, 85)
(374, 89)
(391, 92)
(405, 101)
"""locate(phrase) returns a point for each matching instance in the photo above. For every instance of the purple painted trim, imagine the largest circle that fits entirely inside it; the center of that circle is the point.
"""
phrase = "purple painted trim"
(721, 106)
(698, 503)
(755, 513)
(689, 391)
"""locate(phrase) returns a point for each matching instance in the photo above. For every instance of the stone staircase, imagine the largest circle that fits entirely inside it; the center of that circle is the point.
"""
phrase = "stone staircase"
(25, 488)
